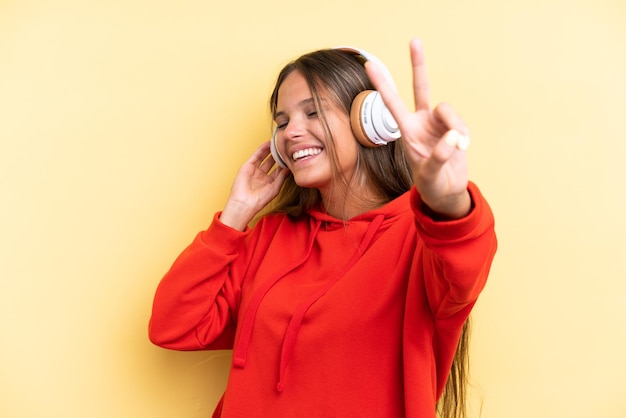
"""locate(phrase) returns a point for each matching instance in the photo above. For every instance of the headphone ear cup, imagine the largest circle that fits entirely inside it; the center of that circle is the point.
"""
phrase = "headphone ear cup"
(275, 153)
(372, 123)
(356, 119)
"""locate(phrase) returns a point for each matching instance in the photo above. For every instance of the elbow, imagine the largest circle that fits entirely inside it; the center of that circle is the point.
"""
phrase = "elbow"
(156, 335)
(166, 334)
(162, 335)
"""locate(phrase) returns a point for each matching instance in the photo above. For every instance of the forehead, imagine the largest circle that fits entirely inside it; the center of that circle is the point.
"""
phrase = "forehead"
(294, 93)
(295, 90)
(293, 85)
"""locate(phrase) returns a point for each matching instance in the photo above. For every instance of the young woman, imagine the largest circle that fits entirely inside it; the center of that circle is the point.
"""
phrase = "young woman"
(349, 293)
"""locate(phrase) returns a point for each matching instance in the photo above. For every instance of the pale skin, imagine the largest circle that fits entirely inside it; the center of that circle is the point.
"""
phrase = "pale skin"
(435, 140)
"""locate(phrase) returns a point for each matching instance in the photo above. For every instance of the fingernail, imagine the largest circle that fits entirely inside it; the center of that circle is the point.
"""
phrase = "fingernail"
(453, 137)
(464, 142)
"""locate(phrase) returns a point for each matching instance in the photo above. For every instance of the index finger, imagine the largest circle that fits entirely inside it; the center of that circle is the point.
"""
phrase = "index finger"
(259, 154)
(387, 90)
(421, 87)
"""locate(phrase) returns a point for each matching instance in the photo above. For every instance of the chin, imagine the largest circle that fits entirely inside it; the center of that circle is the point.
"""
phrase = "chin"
(311, 177)
(308, 182)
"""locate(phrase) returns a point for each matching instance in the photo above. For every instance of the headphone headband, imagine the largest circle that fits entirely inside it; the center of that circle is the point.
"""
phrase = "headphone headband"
(368, 57)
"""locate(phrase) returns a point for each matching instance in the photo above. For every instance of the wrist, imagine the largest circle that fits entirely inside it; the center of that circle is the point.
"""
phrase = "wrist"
(449, 208)
(236, 215)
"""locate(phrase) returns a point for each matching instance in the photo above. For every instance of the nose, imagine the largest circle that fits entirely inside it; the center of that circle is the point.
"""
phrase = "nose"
(294, 129)
(289, 133)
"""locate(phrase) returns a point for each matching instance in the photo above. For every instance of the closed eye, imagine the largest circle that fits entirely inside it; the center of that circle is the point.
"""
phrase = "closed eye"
(310, 113)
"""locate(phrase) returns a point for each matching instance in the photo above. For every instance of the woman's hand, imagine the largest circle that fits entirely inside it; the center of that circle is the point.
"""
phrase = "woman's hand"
(254, 187)
(435, 140)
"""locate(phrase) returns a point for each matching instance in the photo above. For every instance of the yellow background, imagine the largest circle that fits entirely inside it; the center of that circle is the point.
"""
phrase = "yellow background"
(123, 123)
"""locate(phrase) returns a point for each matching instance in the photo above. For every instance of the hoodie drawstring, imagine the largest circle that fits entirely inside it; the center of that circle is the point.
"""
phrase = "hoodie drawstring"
(298, 316)
(240, 353)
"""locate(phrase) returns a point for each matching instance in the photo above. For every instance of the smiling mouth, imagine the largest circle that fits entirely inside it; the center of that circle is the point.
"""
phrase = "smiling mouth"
(308, 152)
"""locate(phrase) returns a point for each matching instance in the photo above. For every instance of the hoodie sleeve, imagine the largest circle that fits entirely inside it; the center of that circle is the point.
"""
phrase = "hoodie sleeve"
(195, 301)
(457, 256)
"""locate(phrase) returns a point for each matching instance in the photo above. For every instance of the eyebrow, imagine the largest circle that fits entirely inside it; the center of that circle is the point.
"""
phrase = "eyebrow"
(301, 103)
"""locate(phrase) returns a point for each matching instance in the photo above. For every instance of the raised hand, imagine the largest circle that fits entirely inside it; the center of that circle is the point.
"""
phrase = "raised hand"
(254, 187)
(436, 140)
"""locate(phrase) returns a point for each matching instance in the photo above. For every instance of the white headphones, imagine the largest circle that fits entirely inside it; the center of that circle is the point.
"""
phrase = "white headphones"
(372, 123)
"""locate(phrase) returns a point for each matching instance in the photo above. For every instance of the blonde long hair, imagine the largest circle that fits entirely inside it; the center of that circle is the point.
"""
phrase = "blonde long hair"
(341, 76)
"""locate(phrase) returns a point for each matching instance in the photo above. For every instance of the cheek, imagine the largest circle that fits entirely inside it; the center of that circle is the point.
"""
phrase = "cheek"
(347, 146)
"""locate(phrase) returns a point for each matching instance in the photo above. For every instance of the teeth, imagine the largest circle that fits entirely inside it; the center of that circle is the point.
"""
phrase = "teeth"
(305, 153)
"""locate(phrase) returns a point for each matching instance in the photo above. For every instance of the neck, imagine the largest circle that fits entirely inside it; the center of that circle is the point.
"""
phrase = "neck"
(351, 202)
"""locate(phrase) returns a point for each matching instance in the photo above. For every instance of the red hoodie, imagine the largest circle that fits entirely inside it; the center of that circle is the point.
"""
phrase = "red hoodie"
(328, 318)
